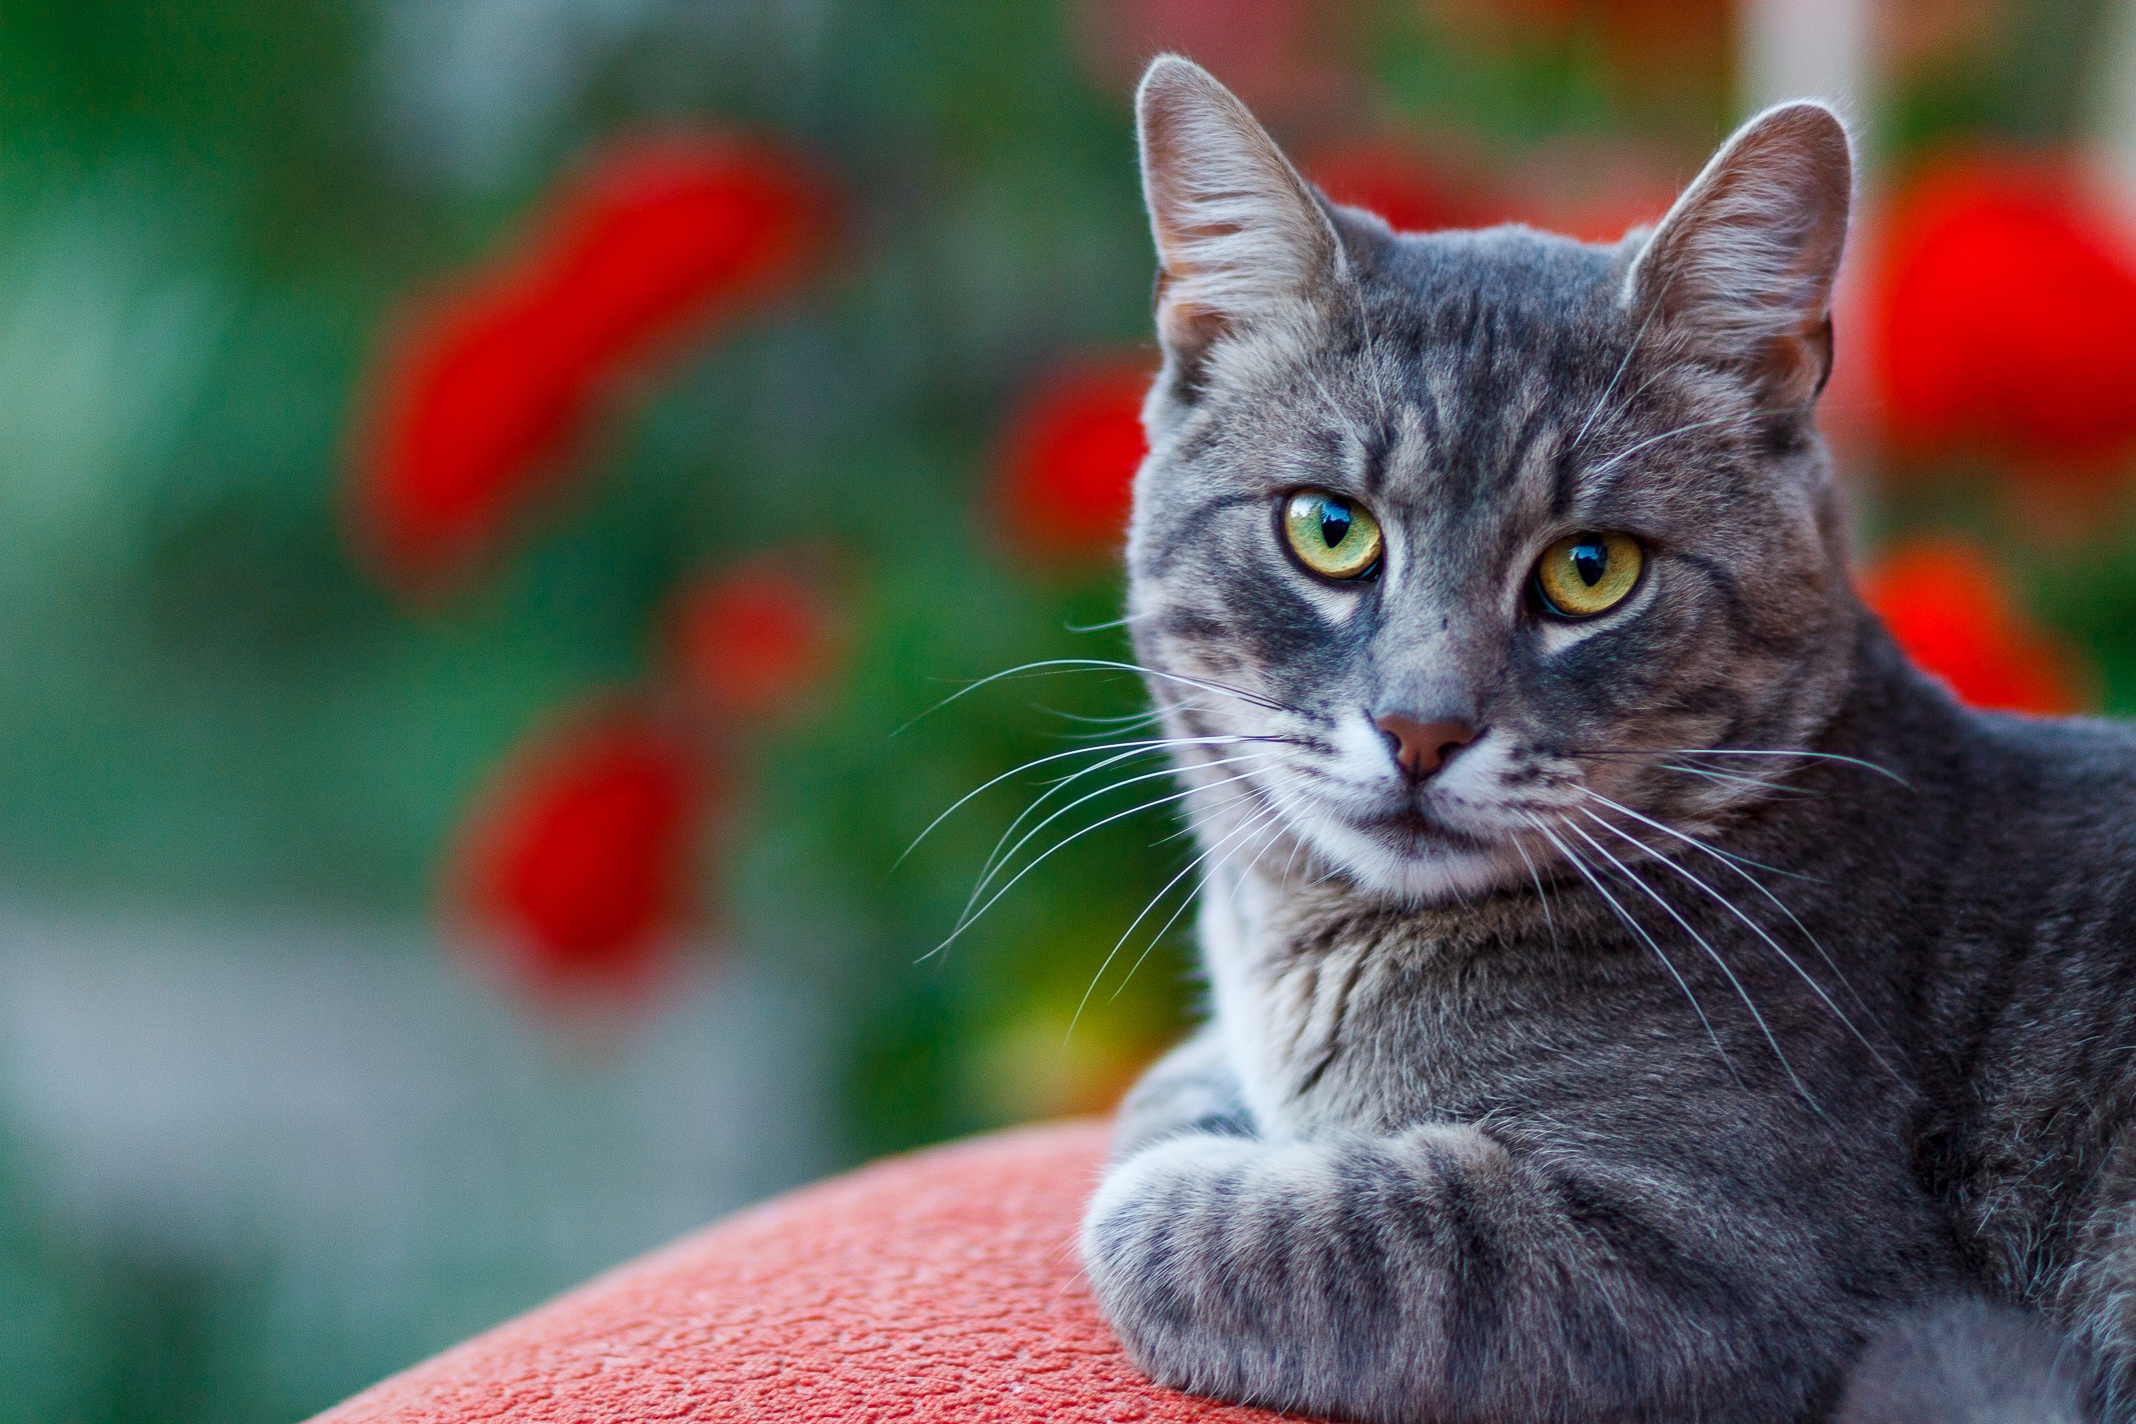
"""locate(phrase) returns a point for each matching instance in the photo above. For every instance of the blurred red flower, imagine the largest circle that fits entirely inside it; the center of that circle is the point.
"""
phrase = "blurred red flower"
(1950, 607)
(1282, 57)
(1068, 459)
(576, 864)
(1412, 192)
(2005, 316)
(480, 394)
(753, 639)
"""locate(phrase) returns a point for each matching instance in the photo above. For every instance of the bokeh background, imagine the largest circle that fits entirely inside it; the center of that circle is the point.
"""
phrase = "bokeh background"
(491, 490)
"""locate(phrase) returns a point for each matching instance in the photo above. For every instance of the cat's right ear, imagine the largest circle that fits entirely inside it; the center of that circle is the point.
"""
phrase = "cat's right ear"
(1241, 243)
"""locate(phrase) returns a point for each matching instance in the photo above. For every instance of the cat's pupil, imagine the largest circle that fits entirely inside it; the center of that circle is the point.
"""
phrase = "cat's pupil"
(1590, 561)
(1335, 523)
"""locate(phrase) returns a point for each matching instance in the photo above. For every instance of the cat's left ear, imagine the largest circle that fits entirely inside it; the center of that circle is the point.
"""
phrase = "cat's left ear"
(1740, 272)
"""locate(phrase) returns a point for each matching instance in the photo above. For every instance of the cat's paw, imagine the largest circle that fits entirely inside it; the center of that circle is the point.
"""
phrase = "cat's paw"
(1258, 1271)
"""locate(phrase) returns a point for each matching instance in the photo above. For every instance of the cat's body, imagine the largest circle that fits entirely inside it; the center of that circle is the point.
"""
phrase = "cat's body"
(1574, 1056)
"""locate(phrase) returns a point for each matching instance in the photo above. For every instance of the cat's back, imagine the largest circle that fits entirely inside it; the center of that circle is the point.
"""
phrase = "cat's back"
(2047, 808)
(2029, 1023)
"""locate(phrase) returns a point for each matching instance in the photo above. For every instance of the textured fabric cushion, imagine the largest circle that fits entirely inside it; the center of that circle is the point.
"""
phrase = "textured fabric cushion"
(940, 1286)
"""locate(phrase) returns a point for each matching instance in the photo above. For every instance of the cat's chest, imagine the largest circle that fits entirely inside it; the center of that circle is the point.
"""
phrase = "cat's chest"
(1374, 1032)
(1342, 1039)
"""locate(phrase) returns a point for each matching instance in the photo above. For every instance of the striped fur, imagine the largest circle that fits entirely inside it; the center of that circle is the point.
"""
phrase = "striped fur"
(1734, 998)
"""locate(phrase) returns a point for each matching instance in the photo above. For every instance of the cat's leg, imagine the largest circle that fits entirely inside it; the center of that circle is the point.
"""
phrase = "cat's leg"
(1438, 1276)
(1190, 1089)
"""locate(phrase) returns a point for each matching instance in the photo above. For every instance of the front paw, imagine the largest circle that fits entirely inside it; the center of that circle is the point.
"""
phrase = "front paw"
(1288, 1274)
(1155, 1241)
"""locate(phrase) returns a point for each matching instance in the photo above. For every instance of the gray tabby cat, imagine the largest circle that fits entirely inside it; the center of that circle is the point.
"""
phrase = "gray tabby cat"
(1638, 993)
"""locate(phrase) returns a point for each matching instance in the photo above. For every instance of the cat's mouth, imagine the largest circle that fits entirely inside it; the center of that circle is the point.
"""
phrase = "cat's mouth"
(1411, 830)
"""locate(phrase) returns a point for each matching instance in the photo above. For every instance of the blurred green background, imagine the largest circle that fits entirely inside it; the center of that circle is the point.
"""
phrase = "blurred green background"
(265, 1133)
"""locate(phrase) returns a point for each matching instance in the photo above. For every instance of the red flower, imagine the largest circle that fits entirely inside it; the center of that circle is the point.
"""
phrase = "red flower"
(1069, 456)
(753, 639)
(1412, 193)
(2006, 316)
(576, 864)
(481, 394)
(1950, 608)
(1281, 56)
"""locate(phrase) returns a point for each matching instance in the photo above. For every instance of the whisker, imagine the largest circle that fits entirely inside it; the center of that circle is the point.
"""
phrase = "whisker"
(1621, 456)
(1274, 826)
(1140, 748)
(1155, 900)
(1116, 720)
(1640, 930)
(1726, 863)
(1536, 876)
(1803, 752)
(1297, 849)
(1270, 824)
(1735, 778)
(1618, 375)
(1711, 953)
(997, 860)
(1231, 803)
(1703, 944)
(973, 916)
(1051, 665)
(1337, 411)
(1121, 622)
(1077, 776)
(1883, 771)
(1759, 930)
(1372, 353)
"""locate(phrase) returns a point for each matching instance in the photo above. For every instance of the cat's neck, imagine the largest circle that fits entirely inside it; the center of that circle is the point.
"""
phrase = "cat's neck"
(1278, 928)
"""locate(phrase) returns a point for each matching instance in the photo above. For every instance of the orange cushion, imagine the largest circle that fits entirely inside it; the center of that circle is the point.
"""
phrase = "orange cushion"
(939, 1286)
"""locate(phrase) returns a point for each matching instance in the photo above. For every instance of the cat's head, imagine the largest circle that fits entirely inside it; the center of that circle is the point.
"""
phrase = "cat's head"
(1453, 546)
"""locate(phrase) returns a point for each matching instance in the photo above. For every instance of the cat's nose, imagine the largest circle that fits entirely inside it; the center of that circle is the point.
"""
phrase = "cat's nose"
(1421, 748)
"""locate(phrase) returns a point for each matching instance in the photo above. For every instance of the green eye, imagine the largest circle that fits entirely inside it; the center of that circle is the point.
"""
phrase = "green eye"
(1588, 573)
(1333, 536)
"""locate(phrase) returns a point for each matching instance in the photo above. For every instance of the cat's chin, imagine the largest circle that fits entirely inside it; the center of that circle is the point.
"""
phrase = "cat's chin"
(1410, 857)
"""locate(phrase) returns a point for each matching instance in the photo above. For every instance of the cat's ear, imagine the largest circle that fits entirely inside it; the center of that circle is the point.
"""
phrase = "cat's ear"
(1740, 272)
(1240, 239)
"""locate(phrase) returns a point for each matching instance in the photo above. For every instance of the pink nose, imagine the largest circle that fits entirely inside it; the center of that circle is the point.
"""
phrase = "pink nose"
(1423, 747)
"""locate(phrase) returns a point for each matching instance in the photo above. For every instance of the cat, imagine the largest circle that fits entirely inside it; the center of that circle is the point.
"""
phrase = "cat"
(1637, 992)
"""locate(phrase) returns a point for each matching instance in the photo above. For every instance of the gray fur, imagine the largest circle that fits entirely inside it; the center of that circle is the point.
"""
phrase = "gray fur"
(1967, 1362)
(1735, 997)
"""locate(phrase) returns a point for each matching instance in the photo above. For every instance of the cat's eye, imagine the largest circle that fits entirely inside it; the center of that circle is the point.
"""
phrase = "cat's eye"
(1587, 573)
(1333, 536)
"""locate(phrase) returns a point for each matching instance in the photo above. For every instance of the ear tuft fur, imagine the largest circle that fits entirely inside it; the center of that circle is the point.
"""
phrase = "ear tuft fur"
(1741, 270)
(1239, 236)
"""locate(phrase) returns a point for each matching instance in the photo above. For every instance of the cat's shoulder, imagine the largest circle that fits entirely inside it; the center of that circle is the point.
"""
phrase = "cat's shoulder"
(2068, 754)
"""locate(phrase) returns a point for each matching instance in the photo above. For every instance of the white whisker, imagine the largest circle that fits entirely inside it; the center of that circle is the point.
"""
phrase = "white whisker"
(1711, 953)
(973, 916)
(1138, 748)
(1640, 930)
(999, 860)
(1050, 665)
(1251, 823)
(1756, 928)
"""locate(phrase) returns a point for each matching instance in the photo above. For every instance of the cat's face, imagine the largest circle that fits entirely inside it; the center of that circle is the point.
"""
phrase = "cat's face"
(1455, 551)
